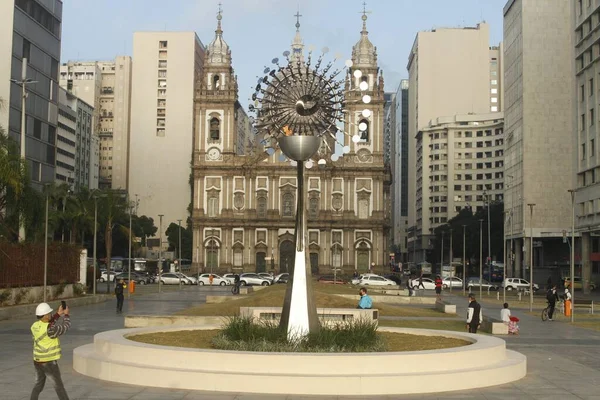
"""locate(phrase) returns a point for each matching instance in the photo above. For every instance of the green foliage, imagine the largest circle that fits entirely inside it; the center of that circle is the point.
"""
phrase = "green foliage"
(5, 297)
(20, 295)
(172, 233)
(78, 289)
(248, 334)
(59, 289)
(143, 227)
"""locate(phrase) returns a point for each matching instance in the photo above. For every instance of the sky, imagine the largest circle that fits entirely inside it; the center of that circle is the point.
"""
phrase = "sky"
(259, 30)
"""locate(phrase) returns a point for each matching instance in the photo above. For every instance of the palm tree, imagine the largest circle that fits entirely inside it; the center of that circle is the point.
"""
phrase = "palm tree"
(112, 207)
(13, 182)
(81, 214)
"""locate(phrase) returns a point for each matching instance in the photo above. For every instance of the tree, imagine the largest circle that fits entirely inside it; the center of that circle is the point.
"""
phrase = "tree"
(143, 227)
(112, 207)
(172, 233)
(13, 185)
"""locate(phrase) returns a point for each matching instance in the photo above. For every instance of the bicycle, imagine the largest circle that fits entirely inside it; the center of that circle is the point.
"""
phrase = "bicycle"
(558, 310)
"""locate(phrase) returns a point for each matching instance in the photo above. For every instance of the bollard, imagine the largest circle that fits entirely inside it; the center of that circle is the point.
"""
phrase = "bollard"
(519, 294)
(498, 295)
(132, 287)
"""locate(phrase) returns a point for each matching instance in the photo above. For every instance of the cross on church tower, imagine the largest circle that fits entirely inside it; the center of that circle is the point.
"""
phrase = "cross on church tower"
(364, 12)
(298, 15)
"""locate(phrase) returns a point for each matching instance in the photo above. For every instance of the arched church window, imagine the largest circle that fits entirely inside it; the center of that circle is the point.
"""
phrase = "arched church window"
(363, 127)
(215, 128)
(288, 205)
(363, 208)
(313, 207)
(216, 82)
(261, 207)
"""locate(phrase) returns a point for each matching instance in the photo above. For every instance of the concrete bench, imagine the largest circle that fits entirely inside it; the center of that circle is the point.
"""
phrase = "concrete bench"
(210, 299)
(142, 321)
(392, 292)
(393, 299)
(326, 315)
(445, 307)
(494, 326)
(587, 304)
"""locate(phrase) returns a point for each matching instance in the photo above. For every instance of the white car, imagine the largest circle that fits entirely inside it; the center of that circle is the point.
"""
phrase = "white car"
(266, 275)
(249, 278)
(428, 284)
(518, 284)
(192, 278)
(217, 280)
(453, 281)
(104, 275)
(375, 280)
(171, 278)
(230, 278)
(356, 281)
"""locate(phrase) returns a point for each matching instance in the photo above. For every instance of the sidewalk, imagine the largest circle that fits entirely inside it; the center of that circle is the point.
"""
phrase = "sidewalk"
(563, 361)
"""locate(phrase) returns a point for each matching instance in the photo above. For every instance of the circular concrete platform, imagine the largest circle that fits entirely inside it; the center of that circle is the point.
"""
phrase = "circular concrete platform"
(486, 362)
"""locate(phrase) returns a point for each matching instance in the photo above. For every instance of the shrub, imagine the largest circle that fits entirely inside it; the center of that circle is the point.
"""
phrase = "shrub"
(5, 296)
(59, 289)
(78, 289)
(20, 295)
(248, 334)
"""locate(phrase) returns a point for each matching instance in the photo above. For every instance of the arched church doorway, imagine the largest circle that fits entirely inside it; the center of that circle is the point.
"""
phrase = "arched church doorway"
(287, 254)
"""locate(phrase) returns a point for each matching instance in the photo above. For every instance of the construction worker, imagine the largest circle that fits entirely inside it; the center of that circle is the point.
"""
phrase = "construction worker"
(46, 347)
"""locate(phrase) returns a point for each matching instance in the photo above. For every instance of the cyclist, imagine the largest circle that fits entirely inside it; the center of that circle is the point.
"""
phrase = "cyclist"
(236, 284)
(551, 297)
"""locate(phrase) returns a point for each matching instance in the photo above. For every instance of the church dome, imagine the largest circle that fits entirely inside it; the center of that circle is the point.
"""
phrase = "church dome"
(218, 51)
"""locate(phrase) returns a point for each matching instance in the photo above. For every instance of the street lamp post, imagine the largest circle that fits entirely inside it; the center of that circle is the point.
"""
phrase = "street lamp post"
(486, 197)
(531, 205)
(129, 258)
(23, 82)
(179, 253)
(504, 257)
(451, 269)
(480, 256)
(572, 257)
(160, 216)
(46, 250)
(464, 258)
(95, 238)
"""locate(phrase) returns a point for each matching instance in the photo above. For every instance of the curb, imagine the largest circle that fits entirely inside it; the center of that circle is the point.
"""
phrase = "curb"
(12, 312)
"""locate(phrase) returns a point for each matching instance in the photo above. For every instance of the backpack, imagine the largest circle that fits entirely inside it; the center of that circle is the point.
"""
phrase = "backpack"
(550, 296)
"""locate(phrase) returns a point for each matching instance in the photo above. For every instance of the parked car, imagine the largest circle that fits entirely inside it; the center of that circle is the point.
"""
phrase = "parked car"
(137, 278)
(230, 278)
(578, 285)
(452, 282)
(331, 279)
(518, 284)
(473, 283)
(375, 280)
(428, 283)
(394, 277)
(192, 278)
(266, 275)
(282, 278)
(104, 276)
(356, 281)
(250, 278)
(171, 278)
(217, 280)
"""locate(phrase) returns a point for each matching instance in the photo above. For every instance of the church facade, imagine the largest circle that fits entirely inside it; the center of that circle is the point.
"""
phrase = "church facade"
(244, 201)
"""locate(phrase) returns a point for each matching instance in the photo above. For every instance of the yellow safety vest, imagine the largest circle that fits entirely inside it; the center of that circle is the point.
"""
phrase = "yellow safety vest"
(45, 349)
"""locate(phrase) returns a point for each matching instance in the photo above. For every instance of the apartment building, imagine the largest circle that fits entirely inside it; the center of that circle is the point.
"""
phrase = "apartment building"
(586, 18)
(107, 86)
(460, 164)
(537, 116)
(167, 66)
(451, 72)
(400, 171)
(31, 30)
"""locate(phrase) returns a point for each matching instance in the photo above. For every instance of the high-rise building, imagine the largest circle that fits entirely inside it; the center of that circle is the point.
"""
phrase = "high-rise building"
(460, 164)
(450, 73)
(587, 137)
(31, 29)
(537, 114)
(165, 73)
(74, 159)
(400, 171)
(244, 205)
(107, 86)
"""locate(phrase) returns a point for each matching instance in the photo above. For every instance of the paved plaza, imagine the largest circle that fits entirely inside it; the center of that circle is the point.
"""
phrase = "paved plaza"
(563, 361)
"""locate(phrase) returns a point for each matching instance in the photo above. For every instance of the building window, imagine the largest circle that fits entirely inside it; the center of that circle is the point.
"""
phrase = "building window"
(494, 82)
(288, 205)
(261, 206)
(162, 44)
(591, 91)
(582, 92)
(313, 207)
(213, 205)
(592, 117)
(363, 208)
(494, 99)
(592, 148)
(237, 257)
(494, 109)
(363, 127)
(583, 151)
(582, 118)
(494, 91)
(216, 82)
(215, 128)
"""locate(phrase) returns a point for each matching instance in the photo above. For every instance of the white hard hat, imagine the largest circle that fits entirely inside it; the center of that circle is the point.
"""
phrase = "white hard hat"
(42, 309)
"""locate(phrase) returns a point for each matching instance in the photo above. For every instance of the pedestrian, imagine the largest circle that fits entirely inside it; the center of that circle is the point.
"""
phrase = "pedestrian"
(409, 286)
(46, 347)
(509, 320)
(372, 267)
(355, 275)
(365, 301)
(119, 288)
(236, 284)
(438, 287)
(551, 297)
(474, 314)
(210, 279)
(421, 282)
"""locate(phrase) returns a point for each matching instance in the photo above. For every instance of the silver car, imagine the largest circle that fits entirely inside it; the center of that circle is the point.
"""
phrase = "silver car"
(248, 279)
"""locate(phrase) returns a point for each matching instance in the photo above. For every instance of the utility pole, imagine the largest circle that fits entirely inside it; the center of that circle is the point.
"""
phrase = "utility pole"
(179, 253)
(480, 256)
(46, 251)
(129, 258)
(572, 192)
(504, 257)
(160, 216)
(531, 205)
(95, 236)
(451, 269)
(464, 258)
(23, 82)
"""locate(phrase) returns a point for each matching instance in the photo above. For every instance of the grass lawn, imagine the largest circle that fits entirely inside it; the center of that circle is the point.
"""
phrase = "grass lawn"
(273, 297)
(442, 325)
(199, 339)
